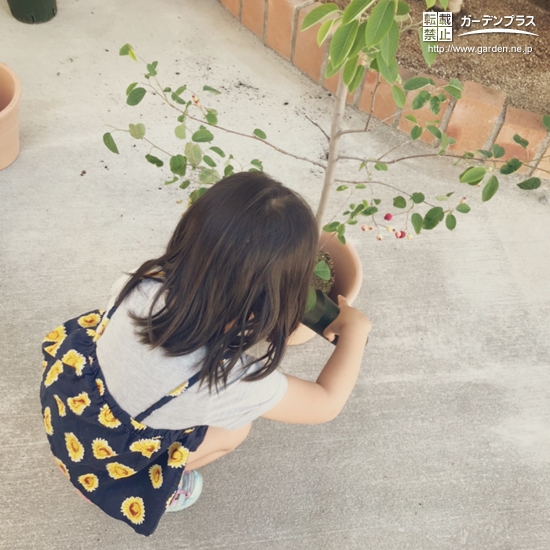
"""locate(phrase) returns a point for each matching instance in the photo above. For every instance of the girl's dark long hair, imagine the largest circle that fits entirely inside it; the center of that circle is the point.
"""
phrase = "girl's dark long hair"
(236, 271)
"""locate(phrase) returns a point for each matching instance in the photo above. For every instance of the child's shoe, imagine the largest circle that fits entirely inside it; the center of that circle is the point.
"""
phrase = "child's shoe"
(189, 490)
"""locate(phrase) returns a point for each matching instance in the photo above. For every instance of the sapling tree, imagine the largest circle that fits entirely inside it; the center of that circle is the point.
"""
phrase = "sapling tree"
(363, 37)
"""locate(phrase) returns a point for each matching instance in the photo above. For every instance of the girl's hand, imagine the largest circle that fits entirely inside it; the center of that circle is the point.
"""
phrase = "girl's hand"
(350, 318)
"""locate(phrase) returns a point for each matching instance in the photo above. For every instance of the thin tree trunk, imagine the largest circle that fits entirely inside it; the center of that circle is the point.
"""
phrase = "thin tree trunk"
(334, 149)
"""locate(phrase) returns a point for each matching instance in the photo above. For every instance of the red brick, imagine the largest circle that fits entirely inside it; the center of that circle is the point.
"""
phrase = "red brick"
(474, 117)
(424, 116)
(544, 164)
(280, 25)
(529, 126)
(234, 6)
(253, 16)
(308, 56)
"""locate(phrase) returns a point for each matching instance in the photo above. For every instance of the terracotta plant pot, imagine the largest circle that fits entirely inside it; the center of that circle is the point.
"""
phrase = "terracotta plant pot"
(10, 94)
(348, 276)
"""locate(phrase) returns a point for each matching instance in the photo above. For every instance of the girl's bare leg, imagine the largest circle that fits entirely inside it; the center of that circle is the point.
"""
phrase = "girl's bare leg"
(217, 442)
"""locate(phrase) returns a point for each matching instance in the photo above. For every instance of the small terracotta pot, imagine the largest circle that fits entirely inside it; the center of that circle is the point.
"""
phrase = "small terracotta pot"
(10, 94)
(348, 276)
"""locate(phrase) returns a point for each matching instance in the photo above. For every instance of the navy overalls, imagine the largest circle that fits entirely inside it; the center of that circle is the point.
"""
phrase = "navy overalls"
(129, 470)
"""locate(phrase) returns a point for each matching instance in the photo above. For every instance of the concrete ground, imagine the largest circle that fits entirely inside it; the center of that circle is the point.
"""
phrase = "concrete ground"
(445, 441)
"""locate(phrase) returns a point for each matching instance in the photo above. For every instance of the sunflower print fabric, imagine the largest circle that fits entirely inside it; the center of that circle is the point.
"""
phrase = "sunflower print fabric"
(119, 463)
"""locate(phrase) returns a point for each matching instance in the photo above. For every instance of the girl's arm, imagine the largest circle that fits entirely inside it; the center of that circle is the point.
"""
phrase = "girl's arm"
(308, 402)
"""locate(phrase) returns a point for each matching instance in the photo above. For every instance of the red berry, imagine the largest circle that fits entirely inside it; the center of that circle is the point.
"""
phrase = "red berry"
(388, 217)
(364, 228)
(402, 235)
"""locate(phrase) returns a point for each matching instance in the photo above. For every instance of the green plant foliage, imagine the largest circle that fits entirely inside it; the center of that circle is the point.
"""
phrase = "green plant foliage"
(523, 142)
(311, 299)
(202, 136)
(546, 122)
(399, 202)
(381, 166)
(429, 56)
(209, 160)
(463, 208)
(110, 143)
(185, 184)
(354, 84)
(211, 116)
(355, 9)
(435, 105)
(208, 176)
(416, 220)
(436, 132)
(416, 132)
(155, 160)
(473, 175)
(218, 151)
(350, 68)
(131, 87)
(318, 14)
(152, 68)
(322, 270)
(420, 99)
(323, 31)
(489, 189)
(259, 133)
(498, 151)
(379, 22)
(173, 180)
(418, 198)
(193, 152)
(511, 166)
(135, 96)
(341, 188)
(197, 194)
(530, 184)
(342, 42)
(178, 165)
(390, 43)
(402, 8)
(211, 90)
(416, 82)
(137, 131)
(411, 118)
(180, 131)
(390, 71)
(398, 96)
(450, 221)
(433, 217)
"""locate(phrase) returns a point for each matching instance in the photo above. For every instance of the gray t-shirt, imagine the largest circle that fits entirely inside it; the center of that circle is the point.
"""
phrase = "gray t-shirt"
(138, 376)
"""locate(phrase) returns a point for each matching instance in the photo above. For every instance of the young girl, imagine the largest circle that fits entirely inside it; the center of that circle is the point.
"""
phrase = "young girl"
(137, 398)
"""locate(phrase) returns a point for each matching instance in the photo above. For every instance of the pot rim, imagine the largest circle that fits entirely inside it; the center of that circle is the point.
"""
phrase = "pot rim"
(16, 93)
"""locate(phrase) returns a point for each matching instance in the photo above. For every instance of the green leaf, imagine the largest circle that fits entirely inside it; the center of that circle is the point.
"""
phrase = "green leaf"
(322, 270)
(135, 96)
(416, 132)
(126, 49)
(456, 84)
(485, 153)
(324, 29)
(202, 136)
(421, 99)
(359, 43)
(546, 121)
(331, 70)
(311, 299)
(472, 175)
(317, 14)
(412, 118)
(154, 160)
(342, 42)
(416, 83)
(450, 222)
(180, 131)
(430, 3)
(381, 167)
(400, 202)
(209, 176)
(331, 227)
(178, 165)
(511, 166)
(110, 143)
(209, 160)
(444, 141)
(258, 164)
(341, 238)
(341, 188)
(212, 91)
(152, 68)
(259, 133)
(402, 8)
(398, 96)
(390, 71)
(444, 4)
(350, 68)
(211, 116)
(218, 151)
(185, 184)
(433, 217)
(434, 131)
(390, 43)
(416, 220)
(369, 211)
(463, 208)
(417, 198)
(173, 180)
(175, 97)
(228, 170)
(197, 194)
(360, 186)
(131, 87)
(429, 56)
(498, 151)
(137, 131)
(490, 188)
(452, 91)
(518, 139)
(379, 22)
(357, 79)
(354, 10)
(530, 184)
(435, 105)
(193, 153)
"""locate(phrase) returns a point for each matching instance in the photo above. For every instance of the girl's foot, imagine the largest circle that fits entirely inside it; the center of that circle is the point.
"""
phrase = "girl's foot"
(189, 490)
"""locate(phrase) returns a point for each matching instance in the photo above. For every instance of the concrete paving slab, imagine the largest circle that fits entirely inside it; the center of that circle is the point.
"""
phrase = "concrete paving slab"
(445, 441)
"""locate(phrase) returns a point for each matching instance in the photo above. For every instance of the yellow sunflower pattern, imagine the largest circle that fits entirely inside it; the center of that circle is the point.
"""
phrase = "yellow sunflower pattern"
(74, 447)
(145, 446)
(118, 471)
(134, 509)
(44, 365)
(89, 321)
(90, 482)
(75, 360)
(101, 449)
(107, 418)
(177, 455)
(179, 390)
(60, 405)
(57, 335)
(101, 329)
(170, 499)
(100, 386)
(137, 425)
(48, 421)
(155, 473)
(78, 403)
(62, 466)
(53, 373)
(91, 332)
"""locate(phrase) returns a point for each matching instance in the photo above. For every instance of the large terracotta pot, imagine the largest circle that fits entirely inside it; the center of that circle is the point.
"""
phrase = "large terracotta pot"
(10, 94)
(348, 276)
